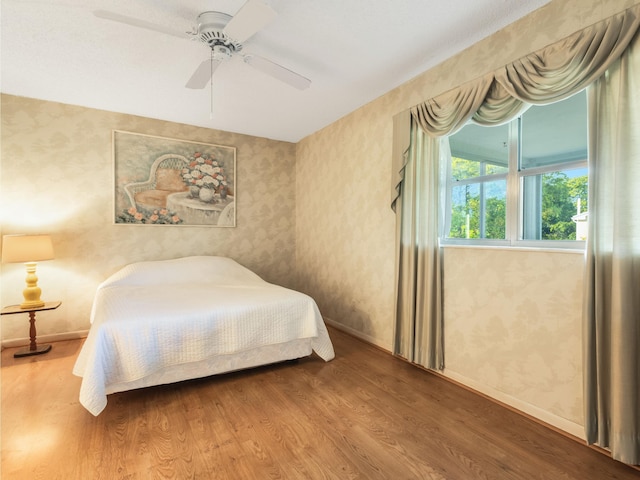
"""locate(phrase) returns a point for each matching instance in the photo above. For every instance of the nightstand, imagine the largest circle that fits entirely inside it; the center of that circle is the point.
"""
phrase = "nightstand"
(33, 348)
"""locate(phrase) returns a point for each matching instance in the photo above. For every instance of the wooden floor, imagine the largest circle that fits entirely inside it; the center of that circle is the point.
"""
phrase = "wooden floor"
(365, 415)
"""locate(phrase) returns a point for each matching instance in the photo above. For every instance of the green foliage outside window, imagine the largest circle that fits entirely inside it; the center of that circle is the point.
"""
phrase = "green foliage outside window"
(560, 196)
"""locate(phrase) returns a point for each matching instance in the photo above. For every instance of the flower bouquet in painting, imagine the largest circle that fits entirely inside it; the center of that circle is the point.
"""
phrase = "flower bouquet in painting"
(204, 175)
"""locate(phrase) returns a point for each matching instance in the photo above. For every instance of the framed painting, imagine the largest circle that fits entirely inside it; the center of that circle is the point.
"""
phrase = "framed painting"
(166, 181)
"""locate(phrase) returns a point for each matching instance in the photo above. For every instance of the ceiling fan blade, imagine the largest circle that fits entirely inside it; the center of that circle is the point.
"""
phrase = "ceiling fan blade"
(136, 22)
(251, 17)
(203, 74)
(277, 71)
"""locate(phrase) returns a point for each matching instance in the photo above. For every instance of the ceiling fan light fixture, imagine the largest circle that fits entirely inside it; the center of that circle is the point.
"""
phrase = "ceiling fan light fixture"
(220, 52)
(212, 21)
(210, 31)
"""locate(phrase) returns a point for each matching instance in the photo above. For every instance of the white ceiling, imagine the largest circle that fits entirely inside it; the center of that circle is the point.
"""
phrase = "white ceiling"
(352, 50)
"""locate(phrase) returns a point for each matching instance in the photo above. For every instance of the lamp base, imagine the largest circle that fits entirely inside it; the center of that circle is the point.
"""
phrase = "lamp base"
(31, 304)
(39, 350)
(32, 291)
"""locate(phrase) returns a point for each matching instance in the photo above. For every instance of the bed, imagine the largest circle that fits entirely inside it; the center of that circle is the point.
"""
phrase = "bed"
(161, 322)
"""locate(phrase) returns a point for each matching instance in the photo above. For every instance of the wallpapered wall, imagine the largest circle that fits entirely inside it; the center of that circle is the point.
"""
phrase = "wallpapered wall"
(519, 346)
(513, 327)
(57, 178)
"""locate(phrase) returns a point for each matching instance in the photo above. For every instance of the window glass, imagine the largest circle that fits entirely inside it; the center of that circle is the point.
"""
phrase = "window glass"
(478, 210)
(479, 165)
(555, 205)
(553, 137)
(554, 134)
(535, 165)
(480, 151)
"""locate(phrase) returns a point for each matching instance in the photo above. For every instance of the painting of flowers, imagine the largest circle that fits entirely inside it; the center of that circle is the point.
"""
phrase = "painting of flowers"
(165, 181)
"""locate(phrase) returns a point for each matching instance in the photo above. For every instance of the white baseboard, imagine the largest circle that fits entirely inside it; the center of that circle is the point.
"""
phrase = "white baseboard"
(357, 334)
(55, 337)
(531, 410)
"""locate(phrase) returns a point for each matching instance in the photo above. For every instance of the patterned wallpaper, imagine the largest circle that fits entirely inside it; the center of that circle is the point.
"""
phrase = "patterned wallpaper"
(345, 227)
(57, 178)
(513, 324)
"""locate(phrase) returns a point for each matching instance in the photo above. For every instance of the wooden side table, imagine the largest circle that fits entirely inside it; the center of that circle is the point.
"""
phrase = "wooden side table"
(33, 348)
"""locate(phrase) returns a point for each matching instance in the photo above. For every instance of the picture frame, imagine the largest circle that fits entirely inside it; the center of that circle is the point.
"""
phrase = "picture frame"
(161, 181)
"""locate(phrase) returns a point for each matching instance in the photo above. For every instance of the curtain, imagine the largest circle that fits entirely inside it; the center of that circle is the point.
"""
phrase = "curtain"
(545, 76)
(612, 282)
(401, 143)
(419, 271)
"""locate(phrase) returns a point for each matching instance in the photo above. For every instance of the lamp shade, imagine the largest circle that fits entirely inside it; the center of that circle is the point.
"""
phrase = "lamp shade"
(26, 248)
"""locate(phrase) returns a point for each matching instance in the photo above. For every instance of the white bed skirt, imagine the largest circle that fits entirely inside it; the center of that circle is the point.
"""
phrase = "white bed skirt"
(255, 357)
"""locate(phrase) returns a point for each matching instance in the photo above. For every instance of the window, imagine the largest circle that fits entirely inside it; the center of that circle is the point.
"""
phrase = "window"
(525, 181)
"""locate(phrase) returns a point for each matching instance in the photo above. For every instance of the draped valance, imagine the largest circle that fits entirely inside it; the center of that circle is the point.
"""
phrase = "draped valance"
(549, 75)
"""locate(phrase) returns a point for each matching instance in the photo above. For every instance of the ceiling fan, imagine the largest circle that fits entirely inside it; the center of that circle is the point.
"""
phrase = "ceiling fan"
(224, 35)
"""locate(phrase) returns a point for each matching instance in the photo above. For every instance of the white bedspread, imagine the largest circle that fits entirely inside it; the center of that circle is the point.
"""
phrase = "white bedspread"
(154, 315)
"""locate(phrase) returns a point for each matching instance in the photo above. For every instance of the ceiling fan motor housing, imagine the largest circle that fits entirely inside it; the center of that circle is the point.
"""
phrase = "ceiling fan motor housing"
(210, 31)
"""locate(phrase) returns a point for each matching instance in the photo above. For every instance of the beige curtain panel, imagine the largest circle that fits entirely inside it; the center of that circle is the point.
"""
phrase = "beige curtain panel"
(418, 260)
(612, 282)
(549, 75)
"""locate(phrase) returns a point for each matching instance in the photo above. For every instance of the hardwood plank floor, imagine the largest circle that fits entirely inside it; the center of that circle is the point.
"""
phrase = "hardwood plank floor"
(365, 415)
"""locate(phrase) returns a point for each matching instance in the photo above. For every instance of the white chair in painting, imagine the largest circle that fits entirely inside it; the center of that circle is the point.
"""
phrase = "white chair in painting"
(165, 178)
(228, 215)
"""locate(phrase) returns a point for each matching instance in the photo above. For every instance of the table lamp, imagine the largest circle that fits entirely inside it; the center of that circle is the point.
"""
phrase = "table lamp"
(28, 249)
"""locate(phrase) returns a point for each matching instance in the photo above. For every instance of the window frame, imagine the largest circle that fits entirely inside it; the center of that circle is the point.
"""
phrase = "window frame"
(514, 208)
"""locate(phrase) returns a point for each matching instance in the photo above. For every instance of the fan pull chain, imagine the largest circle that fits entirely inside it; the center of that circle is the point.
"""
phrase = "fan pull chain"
(211, 86)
